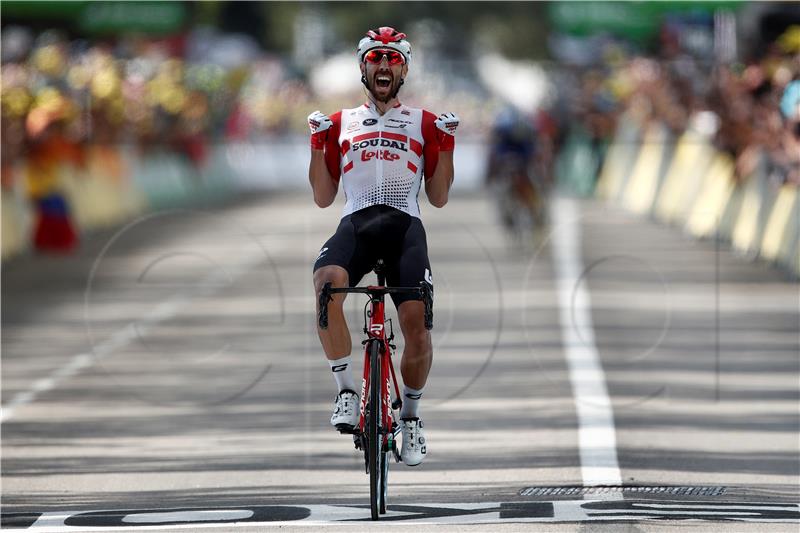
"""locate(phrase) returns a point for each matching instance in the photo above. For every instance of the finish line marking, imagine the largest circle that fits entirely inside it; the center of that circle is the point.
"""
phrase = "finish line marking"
(597, 439)
(450, 513)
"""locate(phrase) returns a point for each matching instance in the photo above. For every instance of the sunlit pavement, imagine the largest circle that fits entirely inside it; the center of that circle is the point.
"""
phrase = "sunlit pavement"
(174, 365)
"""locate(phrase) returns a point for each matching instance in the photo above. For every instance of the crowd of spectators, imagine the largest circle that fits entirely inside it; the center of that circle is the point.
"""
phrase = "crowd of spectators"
(755, 105)
(157, 94)
(138, 91)
(165, 93)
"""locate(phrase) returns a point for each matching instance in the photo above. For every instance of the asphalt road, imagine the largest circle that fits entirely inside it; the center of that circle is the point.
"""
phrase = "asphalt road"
(168, 374)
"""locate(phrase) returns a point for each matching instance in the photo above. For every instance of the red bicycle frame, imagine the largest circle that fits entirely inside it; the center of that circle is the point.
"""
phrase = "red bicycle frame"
(376, 332)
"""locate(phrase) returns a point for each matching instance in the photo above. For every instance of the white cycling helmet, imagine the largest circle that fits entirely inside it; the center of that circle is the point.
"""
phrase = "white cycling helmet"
(384, 38)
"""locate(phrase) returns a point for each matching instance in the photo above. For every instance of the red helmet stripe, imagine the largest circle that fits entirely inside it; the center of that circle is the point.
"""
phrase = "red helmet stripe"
(386, 35)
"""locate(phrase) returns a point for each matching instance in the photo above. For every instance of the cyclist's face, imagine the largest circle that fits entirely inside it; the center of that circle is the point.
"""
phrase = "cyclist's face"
(383, 79)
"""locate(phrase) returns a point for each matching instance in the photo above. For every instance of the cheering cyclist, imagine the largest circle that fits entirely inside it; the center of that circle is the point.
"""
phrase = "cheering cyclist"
(382, 152)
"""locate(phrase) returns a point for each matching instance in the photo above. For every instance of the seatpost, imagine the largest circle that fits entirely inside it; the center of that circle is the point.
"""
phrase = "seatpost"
(381, 275)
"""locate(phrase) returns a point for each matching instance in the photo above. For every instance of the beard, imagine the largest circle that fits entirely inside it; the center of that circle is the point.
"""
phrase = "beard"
(391, 94)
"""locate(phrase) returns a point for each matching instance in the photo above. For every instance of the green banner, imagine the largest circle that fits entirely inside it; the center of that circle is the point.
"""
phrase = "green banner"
(61, 10)
(145, 17)
(104, 17)
(638, 21)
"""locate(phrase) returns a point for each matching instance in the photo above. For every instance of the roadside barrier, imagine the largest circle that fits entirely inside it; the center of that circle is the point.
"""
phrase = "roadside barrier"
(579, 163)
(715, 190)
(17, 219)
(690, 184)
(782, 232)
(640, 192)
(692, 156)
(619, 161)
(111, 186)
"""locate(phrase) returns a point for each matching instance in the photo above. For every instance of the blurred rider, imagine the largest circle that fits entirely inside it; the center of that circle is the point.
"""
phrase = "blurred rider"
(382, 152)
(512, 137)
(512, 151)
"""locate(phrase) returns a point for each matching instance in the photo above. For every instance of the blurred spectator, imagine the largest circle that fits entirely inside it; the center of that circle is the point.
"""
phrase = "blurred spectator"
(787, 151)
(672, 88)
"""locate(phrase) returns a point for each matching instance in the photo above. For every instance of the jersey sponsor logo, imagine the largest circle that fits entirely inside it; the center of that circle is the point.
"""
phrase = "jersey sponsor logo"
(405, 112)
(400, 121)
(370, 122)
(383, 155)
(395, 125)
(383, 143)
(352, 126)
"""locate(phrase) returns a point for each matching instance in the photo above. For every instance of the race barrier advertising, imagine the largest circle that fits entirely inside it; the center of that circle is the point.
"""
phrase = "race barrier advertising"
(690, 184)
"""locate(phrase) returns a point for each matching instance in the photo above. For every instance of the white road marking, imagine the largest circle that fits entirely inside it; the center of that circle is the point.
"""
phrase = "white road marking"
(596, 433)
(473, 513)
(75, 365)
(704, 506)
(189, 516)
(162, 312)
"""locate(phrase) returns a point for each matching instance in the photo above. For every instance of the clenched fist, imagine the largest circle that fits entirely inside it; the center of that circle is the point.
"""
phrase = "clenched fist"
(319, 123)
(447, 123)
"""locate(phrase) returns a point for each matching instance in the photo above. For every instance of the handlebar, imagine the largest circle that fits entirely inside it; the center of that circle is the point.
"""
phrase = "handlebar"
(424, 292)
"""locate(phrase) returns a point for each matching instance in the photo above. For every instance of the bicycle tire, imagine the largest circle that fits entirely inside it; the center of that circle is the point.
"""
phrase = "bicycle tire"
(373, 431)
(384, 480)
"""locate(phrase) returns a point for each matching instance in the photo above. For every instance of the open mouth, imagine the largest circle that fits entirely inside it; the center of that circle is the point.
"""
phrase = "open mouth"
(383, 81)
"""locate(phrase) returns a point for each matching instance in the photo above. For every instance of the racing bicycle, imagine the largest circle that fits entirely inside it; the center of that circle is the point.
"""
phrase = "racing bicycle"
(378, 428)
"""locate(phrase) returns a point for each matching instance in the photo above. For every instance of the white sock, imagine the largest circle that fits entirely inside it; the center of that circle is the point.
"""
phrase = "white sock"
(411, 399)
(342, 373)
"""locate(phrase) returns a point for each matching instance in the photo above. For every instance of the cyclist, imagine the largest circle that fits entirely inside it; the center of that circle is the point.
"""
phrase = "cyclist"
(512, 158)
(380, 151)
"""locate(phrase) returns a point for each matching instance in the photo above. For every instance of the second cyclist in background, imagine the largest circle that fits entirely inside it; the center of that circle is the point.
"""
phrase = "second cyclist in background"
(518, 175)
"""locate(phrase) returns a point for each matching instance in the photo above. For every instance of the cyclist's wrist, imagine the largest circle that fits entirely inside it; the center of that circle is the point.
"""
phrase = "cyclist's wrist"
(447, 143)
(318, 140)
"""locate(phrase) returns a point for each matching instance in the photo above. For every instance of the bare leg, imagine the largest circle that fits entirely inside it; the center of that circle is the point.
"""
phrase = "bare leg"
(418, 352)
(336, 339)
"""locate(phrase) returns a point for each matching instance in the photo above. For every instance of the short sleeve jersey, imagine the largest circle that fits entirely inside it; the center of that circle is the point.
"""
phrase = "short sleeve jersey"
(382, 159)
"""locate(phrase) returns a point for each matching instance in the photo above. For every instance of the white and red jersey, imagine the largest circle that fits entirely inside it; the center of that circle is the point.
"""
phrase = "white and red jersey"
(381, 159)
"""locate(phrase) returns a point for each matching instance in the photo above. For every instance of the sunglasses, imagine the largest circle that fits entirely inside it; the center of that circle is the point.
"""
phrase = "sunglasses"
(376, 56)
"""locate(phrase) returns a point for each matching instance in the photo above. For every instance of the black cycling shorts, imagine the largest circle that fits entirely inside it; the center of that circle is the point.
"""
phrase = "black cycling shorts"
(380, 232)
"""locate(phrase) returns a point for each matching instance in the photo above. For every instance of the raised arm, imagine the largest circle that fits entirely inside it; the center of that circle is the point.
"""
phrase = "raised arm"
(439, 146)
(438, 186)
(323, 185)
(323, 169)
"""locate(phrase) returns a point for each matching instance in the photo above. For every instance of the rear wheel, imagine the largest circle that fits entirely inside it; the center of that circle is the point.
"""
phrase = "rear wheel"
(374, 446)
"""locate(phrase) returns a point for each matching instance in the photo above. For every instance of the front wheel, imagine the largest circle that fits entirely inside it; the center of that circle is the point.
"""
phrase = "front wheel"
(384, 480)
(374, 447)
